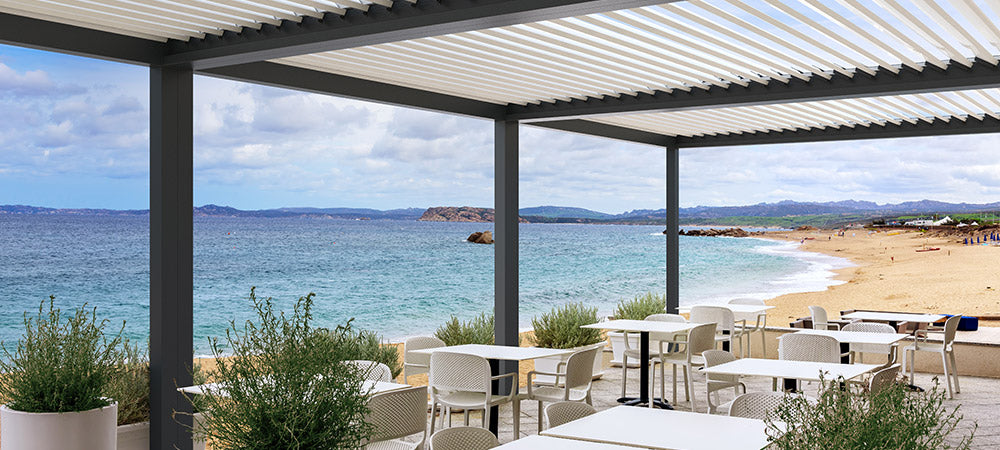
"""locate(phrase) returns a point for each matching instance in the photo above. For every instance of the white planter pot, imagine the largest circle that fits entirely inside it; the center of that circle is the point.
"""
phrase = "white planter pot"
(93, 429)
(550, 364)
(618, 347)
(135, 436)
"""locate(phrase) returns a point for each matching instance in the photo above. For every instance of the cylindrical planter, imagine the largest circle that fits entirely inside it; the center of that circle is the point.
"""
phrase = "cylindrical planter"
(85, 430)
(135, 436)
(551, 363)
(617, 339)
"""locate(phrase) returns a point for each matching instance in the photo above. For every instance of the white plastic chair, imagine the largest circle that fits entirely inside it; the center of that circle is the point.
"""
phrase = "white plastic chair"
(716, 383)
(809, 347)
(372, 370)
(654, 344)
(395, 415)
(945, 348)
(463, 381)
(417, 363)
(464, 438)
(883, 379)
(575, 385)
(563, 412)
(698, 340)
(759, 326)
(725, 324)
(871, 327)
(821, 320)
(756, 405)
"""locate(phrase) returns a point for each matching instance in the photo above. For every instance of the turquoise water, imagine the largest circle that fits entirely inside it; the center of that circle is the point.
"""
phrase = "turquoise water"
(397, 277)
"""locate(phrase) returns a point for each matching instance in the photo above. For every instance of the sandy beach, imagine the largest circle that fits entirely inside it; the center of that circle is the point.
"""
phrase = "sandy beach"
(889, 274)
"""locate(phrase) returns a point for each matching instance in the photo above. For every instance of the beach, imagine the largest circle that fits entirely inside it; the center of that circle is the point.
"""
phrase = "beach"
(889, 274)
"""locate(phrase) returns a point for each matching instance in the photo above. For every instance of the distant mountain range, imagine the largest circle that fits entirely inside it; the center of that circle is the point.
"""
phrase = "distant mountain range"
(827, 212)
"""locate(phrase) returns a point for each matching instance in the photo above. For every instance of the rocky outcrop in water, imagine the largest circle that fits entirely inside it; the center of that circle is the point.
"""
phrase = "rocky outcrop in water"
(460, 214)
(728, 232)
(484, 237)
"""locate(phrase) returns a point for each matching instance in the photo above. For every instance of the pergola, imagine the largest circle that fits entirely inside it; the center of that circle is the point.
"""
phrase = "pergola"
(675, 74)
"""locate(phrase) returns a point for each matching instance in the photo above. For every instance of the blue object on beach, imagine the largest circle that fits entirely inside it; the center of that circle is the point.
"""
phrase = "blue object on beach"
(965, 241)
(966, 323)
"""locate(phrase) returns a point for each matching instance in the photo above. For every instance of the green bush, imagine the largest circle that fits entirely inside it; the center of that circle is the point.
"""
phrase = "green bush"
(478, 330)
(850, 418)
(561, 327)
(130, 386)
(286, 385)
(368, 345)
(62, 364)
(641, 307)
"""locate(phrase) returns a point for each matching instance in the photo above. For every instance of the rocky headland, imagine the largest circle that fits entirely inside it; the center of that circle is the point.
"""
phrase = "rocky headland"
(727, 232)
(460, 214)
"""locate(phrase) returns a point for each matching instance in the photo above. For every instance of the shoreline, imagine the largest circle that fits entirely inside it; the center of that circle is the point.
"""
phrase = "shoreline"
(889, 274)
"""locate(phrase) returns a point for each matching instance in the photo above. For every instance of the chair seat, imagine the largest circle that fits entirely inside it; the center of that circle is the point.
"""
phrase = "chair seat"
(927, 347)
(636, 353)
(680, 358)
(393, 444)
(554, 394)
(467, 400)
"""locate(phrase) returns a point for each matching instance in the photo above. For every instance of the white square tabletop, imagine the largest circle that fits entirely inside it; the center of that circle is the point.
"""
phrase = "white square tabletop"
(799, 370)
(744, 309)
(858, 337)
(665, 429)
(893, 317)
(500, 352)
(375, 387)
(536, 442)
(652, 326)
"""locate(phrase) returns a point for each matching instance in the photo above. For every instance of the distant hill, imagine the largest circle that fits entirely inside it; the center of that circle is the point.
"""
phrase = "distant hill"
(564, 211)
(226, 211)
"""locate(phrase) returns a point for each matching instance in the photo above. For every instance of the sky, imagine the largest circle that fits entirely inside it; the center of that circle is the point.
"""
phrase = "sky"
(74, 133)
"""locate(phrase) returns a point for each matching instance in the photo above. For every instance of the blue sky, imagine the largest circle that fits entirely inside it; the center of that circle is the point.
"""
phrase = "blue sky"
(74, 133)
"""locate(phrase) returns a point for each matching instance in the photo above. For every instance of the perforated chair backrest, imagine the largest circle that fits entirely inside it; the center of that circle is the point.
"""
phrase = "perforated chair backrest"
(372, 370)
(747, 301)
(716, 357)
(721, 316)
(883, 379)
(673, 318)
(950, 328)
(819, 317)
(563, 412)
(809, 347)
(701, 338)
(869, 327)
(419, 343)
(459, 372)
(398, 413)
(580, 368)
(756, 405)
(464, 438)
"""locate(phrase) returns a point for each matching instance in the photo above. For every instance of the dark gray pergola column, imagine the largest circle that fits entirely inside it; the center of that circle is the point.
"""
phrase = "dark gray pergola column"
(171, 241)
(506, 217)
(673, 219)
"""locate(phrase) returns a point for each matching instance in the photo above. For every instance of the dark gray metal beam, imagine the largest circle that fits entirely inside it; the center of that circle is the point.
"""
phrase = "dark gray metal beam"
(604, 130)
(908, 81)
(291, 77)
(402, 21)
(505, 251)
(887, 131)
(171, 263)
(673, 223)
(44, 35)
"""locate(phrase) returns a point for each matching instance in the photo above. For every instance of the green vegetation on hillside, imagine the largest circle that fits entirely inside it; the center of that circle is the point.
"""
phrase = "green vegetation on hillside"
(819, 221)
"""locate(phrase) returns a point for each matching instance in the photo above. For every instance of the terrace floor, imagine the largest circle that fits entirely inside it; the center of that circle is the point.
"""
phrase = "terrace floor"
(978, 400)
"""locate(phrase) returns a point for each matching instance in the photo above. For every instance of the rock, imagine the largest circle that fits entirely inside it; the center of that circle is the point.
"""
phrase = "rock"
(460, 214)
(806, 228)
(728, 232)
(484, 237)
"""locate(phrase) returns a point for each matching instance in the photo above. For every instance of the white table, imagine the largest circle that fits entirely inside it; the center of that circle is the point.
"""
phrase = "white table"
(797, 370)
(643, 327)
(846, 338)
(536, 442)
(664, 429)
(495, 353)
(892, 317)
(748, 310)
(374, 387)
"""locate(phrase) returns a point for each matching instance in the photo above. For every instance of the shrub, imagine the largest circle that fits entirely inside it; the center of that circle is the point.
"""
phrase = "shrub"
(561, 327)
(62, 364)
(130, 386)
(641, 307)
(286, 386)
(478, 330)
(850, 418)
(368, 345)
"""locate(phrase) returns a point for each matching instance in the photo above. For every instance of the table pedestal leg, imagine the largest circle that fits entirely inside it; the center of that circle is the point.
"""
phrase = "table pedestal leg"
(494, 424)
(643, 398)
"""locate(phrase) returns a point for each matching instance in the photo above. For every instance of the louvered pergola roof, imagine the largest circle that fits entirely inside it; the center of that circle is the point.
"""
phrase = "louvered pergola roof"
(700, 73)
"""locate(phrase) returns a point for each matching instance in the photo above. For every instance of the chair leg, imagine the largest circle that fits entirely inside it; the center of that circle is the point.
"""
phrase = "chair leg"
(465, 417)
(689, 384)
(954, 371)
(516, 406)
(486, 415)
(540, 416)
(624, 373)
(674, 368)
(652, 382)
(947, 376)
(433, 419)
(688, 394)
(763, 343)
(663, 381)
(912, 357)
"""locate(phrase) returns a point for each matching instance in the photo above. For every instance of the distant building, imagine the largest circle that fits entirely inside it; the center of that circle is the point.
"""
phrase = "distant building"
(919, 223)
(945, 221)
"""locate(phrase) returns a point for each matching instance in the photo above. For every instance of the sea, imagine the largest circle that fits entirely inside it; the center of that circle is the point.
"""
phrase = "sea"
(398, 278)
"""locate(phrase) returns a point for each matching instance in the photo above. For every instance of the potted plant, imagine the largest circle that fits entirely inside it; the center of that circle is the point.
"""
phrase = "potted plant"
(368, 345)
(285, 386)
(54, 383)
(560, 329)
(637, 308)
(478, 330)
